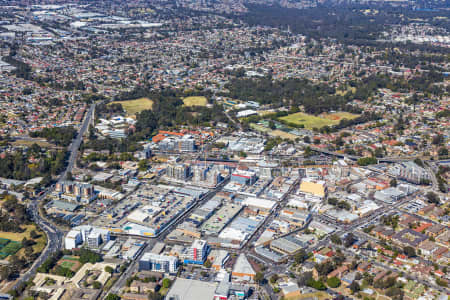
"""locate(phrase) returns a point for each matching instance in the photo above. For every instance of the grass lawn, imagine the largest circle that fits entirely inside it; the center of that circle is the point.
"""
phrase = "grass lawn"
(310, 121)
(259, 127)
(67, 264)
(195, 101)
(18, 236)
(28, 143)
(274, 133)
(282, 134)
(137, 105)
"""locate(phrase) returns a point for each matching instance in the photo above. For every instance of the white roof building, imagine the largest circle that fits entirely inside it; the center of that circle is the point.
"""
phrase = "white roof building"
(188, 289)
(259, 203)
(73, 239)
(243, 270)
(233, 234)
(246, 113)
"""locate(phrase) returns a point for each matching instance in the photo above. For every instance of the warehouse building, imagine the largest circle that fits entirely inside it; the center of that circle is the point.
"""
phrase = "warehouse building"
(243, 270)
(314, 187)
(287, 245)
(188, 289)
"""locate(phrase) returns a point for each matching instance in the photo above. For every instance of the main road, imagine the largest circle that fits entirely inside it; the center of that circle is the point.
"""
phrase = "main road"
(54, 234)
(73, 148)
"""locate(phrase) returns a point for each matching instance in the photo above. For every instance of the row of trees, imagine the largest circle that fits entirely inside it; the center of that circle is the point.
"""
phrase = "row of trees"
(365, 161)
(315, 98)
(16, 165)
(13, 215)
(110, 144)
(342, 204)
(60, 136)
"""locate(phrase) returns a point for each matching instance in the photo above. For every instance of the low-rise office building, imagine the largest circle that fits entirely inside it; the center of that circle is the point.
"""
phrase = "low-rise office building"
(159, 263)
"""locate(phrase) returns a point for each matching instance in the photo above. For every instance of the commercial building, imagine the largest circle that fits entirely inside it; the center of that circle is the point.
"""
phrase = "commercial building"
(132, 249)
(196, 253)
(411, 172)
(287, 245)
(290, 289)
(218, 258)
(389, 195)
(188, 289)
(92, 236)
(117, 127)
(243, 177)
(341, 215)
(321, 228)
(150, 210)
(138, 287)
(178, 171)
(94, 239)
(76, 192)
(58, 206)
(220, 219)
(209, 175)
(295, 217)
(73, 239)
(146, 152)
(203, 213)
(259, 203)
(227, 290)
(243, 270)
(158, 263)
(241, 228)
(115, 133)
(267, 253)
(315, 187)
(199, 173)
(182, 144)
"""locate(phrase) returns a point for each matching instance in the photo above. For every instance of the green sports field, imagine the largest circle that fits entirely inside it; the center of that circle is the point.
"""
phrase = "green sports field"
(10, 241)
(134, 106)
(195, 101)
(67, 264)
(8, 247)
(311, 121)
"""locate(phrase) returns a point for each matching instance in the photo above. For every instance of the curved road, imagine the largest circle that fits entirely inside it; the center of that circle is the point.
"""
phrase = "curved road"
(54, 234)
